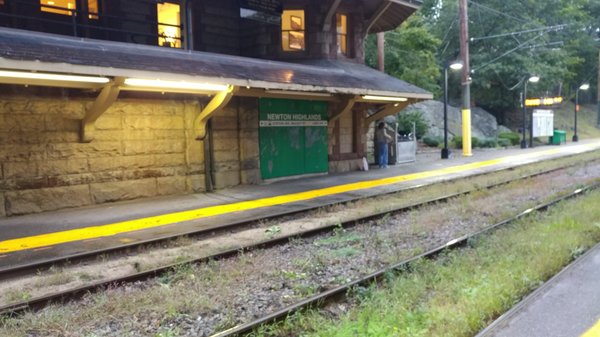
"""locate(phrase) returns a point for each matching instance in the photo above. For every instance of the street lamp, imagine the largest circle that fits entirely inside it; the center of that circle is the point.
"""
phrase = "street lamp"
(532, 79)
(582, 87)
(456, 65)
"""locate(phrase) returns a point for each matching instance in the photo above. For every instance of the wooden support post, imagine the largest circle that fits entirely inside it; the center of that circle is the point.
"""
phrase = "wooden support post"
(105, 99)
(218, 102)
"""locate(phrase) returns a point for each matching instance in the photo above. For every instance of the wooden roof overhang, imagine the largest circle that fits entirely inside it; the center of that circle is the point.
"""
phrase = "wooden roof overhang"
(109, 68)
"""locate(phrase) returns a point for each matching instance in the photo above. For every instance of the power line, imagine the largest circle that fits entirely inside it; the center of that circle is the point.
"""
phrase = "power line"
(545, 29)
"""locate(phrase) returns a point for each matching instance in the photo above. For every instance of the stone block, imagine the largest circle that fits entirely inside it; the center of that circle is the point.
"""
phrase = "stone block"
(66, 166)
(224, 156)
(227, 166)
(46, 199)
(226, 179)
(171, 185)
(66, 108)
(196, 183)
(84, 150)
(224, 123)
(59, 137)
(108, 122)
(162, 160)
(59, 123)
(151, 173)
(123, 190)
(30, 152)
(2, 205)
(153, 147)
(169, 134)
(146, 135)
(108, 135)
(19, 123)
(250, 176)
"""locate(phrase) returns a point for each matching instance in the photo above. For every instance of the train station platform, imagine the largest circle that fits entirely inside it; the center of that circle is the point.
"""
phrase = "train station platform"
(565, 306)
(35, 238)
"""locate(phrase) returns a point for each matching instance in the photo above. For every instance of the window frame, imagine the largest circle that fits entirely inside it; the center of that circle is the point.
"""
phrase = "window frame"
(178, 38)
(289, 31)
(345, 35)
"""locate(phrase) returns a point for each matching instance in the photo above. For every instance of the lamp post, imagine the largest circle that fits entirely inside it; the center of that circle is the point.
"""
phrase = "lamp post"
(532, 79)
(454, 66)
(582, 87)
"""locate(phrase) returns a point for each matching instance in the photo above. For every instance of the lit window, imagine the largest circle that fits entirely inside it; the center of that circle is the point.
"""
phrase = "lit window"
(342, 33)
(169, 25)
(67, 7)
(93, 9)
(292, 30)
(55, 6)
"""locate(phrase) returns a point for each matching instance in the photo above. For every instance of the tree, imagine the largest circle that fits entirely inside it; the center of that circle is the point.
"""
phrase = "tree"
(409, 54)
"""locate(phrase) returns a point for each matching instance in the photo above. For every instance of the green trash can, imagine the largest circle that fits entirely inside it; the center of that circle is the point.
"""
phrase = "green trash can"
(559, 137)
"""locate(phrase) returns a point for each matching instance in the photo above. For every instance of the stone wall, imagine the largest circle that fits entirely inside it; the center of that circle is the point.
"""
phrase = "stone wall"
(142, 148)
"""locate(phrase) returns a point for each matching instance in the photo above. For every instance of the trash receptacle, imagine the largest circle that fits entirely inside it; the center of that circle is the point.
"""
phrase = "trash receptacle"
(559, 137)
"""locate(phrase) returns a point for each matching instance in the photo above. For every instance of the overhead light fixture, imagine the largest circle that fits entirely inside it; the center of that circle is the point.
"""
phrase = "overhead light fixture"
(456, 65)
(24, 75)
(298, 93)
(534, 79)
(585, 86)
(156, 84)
(384, 98)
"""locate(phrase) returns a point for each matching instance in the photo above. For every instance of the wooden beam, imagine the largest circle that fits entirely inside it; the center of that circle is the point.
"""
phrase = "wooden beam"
(218, 102)
(385, 4)
(389, 109)
(105, 99)
(260, 93)
(347, 104)
(332, 9)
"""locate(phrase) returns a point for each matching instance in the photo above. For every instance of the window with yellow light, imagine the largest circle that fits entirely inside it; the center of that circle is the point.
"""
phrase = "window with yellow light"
(342, 33)
(169, 24)
(68, 7)
(292, 30)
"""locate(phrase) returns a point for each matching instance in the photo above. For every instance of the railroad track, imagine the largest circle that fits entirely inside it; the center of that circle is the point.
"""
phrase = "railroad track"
(39, 302)
(340, 292)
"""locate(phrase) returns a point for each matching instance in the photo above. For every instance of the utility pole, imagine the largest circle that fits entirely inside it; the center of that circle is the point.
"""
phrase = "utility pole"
(598, 94)
(381, 51)
(466, 78)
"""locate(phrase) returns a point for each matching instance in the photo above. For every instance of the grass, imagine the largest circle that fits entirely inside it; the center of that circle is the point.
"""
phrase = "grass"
(463, 290)
(586, 121)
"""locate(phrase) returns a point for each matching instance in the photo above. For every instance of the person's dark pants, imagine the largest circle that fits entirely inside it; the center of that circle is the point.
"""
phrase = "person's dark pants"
(382, 150)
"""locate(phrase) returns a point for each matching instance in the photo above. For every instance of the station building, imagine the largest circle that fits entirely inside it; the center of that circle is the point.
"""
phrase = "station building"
(107, 100)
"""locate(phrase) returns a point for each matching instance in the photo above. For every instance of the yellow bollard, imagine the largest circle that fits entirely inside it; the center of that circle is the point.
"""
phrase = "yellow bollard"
(466, 132)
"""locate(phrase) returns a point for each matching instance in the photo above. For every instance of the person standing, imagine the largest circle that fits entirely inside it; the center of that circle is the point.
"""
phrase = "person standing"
(381, 140)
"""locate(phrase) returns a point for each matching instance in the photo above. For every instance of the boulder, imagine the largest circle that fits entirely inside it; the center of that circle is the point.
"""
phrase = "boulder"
(483, 124)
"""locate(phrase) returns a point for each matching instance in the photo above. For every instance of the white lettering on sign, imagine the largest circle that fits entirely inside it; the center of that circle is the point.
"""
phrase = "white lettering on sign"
(294, 117)
(291, 123)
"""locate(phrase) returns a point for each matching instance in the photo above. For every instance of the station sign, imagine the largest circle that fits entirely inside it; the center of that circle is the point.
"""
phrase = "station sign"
(544, 101)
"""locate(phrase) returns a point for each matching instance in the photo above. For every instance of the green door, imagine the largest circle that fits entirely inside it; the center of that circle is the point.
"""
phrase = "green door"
(293, 137)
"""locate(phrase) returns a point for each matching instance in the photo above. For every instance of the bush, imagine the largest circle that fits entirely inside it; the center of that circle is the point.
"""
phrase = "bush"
(504, 142)
(458, 143)
(432, 141)
(488, 142)
(406, 120)
(513, 137)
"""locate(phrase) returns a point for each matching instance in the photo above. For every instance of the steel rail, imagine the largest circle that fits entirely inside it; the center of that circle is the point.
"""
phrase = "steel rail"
(323, 297)
(37, 266)
(74, 293)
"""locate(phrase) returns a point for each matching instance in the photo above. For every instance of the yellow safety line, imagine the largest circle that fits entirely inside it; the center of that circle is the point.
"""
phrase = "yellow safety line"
(594, 331)
(85, 233)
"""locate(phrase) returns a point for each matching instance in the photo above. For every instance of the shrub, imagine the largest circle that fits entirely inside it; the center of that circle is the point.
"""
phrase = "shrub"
(458, 143)
(488, 142)
(432, 141)
(504, 142)
(406, 120)
(513, 137)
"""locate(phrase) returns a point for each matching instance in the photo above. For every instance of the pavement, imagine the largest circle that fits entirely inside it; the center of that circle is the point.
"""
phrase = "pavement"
(568, 305)
(36, 238)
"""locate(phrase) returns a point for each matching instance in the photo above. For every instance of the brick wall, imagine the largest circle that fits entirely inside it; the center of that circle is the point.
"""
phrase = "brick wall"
(142, 148)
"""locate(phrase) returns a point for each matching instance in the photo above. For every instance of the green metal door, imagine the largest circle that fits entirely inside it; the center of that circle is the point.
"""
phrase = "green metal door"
(292, 137)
